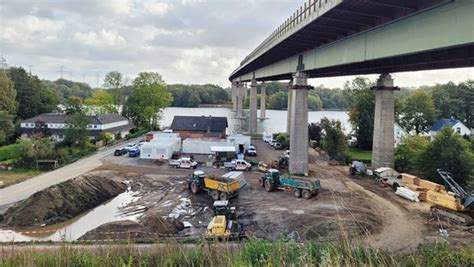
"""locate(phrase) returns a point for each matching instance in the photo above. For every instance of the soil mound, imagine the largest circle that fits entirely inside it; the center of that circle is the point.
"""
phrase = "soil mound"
(66, 200)
(160, 225)
(119, 230)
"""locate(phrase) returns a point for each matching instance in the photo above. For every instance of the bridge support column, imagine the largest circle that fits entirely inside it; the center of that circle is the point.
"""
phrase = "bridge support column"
(240, 99)
(299, 124)
(253, 107)
(384, 120)
(234, 89)
(288, 110)
(263, 99)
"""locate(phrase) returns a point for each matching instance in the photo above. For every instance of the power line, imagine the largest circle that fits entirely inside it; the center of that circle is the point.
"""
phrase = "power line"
(61, 70)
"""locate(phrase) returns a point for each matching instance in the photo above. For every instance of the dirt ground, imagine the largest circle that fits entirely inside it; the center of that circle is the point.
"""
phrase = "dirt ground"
(355, 210)
(348, 209)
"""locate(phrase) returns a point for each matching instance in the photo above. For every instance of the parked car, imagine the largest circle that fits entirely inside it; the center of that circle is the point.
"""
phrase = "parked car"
(388, 176)
(278, 145)
(238, 165)
(251, 151)
(130, 146)
(134, 152)
(183, 163)
(286, 154)
(120, 152)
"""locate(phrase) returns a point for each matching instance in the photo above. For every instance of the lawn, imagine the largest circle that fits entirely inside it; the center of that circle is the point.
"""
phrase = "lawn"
(16, 176)
(360, 155)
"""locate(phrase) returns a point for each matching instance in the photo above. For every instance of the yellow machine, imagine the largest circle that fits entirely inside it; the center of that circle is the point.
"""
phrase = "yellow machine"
(456, 207)
(224, 224)
(218, 227)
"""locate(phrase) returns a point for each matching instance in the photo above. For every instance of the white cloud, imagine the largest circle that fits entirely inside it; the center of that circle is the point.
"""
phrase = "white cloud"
(103, 38)
(157, 8)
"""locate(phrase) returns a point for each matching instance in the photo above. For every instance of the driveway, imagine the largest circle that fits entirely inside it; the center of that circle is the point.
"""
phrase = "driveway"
(20, 191)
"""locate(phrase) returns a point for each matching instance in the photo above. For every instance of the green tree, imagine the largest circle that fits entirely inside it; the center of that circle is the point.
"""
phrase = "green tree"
(101, 101)
(455, 101)
(32, 96)
(8, 107)
(278, 100)
(148, 98)
(148, 78)
(451, 152)
(7, 127)
(73, 105)
(409, 152)
(418, 112)
(361, 110)
(7, 94)
(334, 141)
(76, 133)
(314, 102)
(114, 82)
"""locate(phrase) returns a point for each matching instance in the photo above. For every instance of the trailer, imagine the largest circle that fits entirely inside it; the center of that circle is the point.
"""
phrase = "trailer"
(219, 188)
(162, 150)
(301, 187)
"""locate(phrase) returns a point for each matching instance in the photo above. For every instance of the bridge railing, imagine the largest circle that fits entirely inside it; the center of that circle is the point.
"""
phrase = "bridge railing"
(298, 17)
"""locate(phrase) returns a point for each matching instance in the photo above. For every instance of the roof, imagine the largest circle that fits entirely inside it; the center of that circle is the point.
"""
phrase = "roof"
(443, 122)
(62, 117)
(222, 149)
(203, 123)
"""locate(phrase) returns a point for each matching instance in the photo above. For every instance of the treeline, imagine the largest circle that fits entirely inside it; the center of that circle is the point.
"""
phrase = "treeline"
(318, 99)
(194, 95)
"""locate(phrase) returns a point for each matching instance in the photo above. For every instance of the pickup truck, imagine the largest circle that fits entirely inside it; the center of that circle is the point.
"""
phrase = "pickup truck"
(238, 165)
(183, 163)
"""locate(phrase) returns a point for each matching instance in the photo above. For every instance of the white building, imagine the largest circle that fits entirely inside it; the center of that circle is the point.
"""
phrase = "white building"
(399, 134)
(54, 125)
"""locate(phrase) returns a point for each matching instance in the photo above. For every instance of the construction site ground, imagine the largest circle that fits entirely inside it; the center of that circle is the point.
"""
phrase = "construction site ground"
(347, 209)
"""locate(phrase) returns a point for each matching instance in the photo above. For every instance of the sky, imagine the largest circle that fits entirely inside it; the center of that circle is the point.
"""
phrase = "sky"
(187, 41)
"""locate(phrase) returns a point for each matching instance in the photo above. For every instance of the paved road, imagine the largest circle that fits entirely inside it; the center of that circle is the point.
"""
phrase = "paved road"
(17, 192)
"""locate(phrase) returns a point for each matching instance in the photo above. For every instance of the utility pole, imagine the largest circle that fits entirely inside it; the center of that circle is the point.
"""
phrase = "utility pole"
(30, 66)
(61, 70)
(97, 81)
(3, 64)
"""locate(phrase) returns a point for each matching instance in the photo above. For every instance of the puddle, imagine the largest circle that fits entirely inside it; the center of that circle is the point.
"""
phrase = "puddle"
(73, 229)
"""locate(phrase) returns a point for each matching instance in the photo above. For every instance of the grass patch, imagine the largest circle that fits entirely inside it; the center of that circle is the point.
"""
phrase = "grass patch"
(16, 176)
(359, 154)
(249, 253)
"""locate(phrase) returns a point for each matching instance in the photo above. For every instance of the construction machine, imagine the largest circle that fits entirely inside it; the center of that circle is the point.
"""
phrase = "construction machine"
(219, 188)
(224, 225)
(455, 206)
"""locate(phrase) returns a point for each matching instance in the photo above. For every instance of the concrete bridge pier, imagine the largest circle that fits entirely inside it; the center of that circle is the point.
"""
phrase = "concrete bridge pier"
(263, 99)
(299, 124)
(253, 107)
(234, 96)
(288, 109)
(240, 99)
(384, 120)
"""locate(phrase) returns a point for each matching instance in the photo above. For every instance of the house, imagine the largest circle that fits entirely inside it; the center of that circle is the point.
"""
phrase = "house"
(55, 124)
(399, 134)
(456, 125)
(202, 127)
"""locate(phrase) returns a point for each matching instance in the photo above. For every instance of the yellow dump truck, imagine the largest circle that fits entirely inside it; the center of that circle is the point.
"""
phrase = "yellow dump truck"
(219, 188)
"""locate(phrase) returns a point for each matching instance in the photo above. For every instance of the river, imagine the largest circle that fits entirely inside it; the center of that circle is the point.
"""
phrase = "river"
(275, 122)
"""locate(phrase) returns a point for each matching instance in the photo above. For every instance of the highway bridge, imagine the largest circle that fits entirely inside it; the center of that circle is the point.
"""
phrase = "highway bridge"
(327, 38)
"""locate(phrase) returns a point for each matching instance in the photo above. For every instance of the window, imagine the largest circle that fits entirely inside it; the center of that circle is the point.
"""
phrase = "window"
(95, 126)
(458, 130)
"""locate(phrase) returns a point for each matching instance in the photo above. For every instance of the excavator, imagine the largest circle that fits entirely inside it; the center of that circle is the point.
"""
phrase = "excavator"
(455, 206)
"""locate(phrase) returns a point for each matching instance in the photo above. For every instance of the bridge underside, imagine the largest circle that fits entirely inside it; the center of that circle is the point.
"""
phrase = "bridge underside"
(455, 57)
